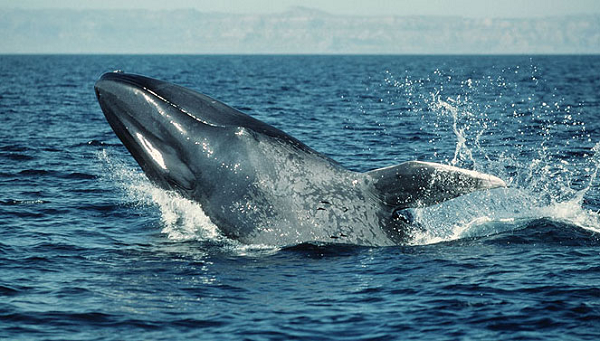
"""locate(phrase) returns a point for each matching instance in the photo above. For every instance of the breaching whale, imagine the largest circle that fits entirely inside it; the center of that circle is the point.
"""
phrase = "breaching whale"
(259, 185)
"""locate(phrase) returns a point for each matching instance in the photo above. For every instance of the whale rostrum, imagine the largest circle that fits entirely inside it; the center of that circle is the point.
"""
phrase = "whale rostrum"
(259, 185)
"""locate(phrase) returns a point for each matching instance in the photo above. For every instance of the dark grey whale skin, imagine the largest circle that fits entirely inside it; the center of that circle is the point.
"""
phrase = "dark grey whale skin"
(259, 185)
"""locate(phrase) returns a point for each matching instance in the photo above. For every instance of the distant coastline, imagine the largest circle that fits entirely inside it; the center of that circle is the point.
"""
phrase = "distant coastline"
(297, 31)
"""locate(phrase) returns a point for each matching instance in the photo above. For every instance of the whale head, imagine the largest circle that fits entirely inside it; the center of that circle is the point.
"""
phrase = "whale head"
(142, 113)
(174, 133)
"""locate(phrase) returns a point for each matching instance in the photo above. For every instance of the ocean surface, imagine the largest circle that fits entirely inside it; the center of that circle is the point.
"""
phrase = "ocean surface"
(90, 250)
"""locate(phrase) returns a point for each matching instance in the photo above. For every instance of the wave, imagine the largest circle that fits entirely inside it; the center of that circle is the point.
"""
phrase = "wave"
(498, 211)
(546, 231)
(13, 202)
(16, 156)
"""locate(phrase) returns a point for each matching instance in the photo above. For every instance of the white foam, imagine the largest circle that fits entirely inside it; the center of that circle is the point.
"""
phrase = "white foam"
(476, 216)
(181, 219)
(542, 190)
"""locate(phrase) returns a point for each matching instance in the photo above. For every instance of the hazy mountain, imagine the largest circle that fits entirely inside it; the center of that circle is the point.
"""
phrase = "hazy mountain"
(299, 30)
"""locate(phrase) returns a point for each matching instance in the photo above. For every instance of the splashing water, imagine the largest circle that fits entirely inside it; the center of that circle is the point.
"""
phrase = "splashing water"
(181, 219)
(462, 153)
(539, 188)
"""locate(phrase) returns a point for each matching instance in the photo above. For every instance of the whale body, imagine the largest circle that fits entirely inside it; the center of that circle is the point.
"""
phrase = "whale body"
(259, 185)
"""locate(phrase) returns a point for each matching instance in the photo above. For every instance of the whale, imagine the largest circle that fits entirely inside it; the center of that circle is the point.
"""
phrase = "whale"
(259, 185)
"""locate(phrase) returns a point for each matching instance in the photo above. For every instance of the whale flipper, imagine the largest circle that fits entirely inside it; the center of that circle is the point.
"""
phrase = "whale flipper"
(418, 184)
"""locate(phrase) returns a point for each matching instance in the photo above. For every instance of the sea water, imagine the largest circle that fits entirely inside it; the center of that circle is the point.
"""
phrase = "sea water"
(90, 250)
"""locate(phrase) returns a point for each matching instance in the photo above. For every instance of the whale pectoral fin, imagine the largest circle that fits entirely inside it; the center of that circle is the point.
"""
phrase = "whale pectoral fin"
(418, 184)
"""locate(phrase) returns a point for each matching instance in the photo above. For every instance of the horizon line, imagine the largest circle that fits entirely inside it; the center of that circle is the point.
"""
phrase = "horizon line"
(303, 8)
(308, 54)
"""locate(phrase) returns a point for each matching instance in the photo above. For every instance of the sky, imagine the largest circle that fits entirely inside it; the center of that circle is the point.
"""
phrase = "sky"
(464, 8)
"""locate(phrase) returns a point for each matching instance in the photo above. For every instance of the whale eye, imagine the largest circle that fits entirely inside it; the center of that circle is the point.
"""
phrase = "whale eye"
(404, 215)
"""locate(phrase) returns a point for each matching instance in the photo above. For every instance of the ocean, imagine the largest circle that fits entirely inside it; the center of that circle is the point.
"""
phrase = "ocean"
(91, 250)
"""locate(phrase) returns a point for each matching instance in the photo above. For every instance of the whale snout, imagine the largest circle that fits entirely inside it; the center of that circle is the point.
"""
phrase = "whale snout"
(153, 130)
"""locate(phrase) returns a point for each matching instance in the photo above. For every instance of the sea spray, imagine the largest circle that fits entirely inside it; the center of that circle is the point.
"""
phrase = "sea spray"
(181, 219)
(540, 188)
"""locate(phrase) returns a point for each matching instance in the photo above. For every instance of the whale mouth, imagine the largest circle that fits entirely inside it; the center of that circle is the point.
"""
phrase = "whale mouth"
(149, 126)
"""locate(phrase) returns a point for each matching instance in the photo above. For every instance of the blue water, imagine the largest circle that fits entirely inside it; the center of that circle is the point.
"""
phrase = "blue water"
(90, 250)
